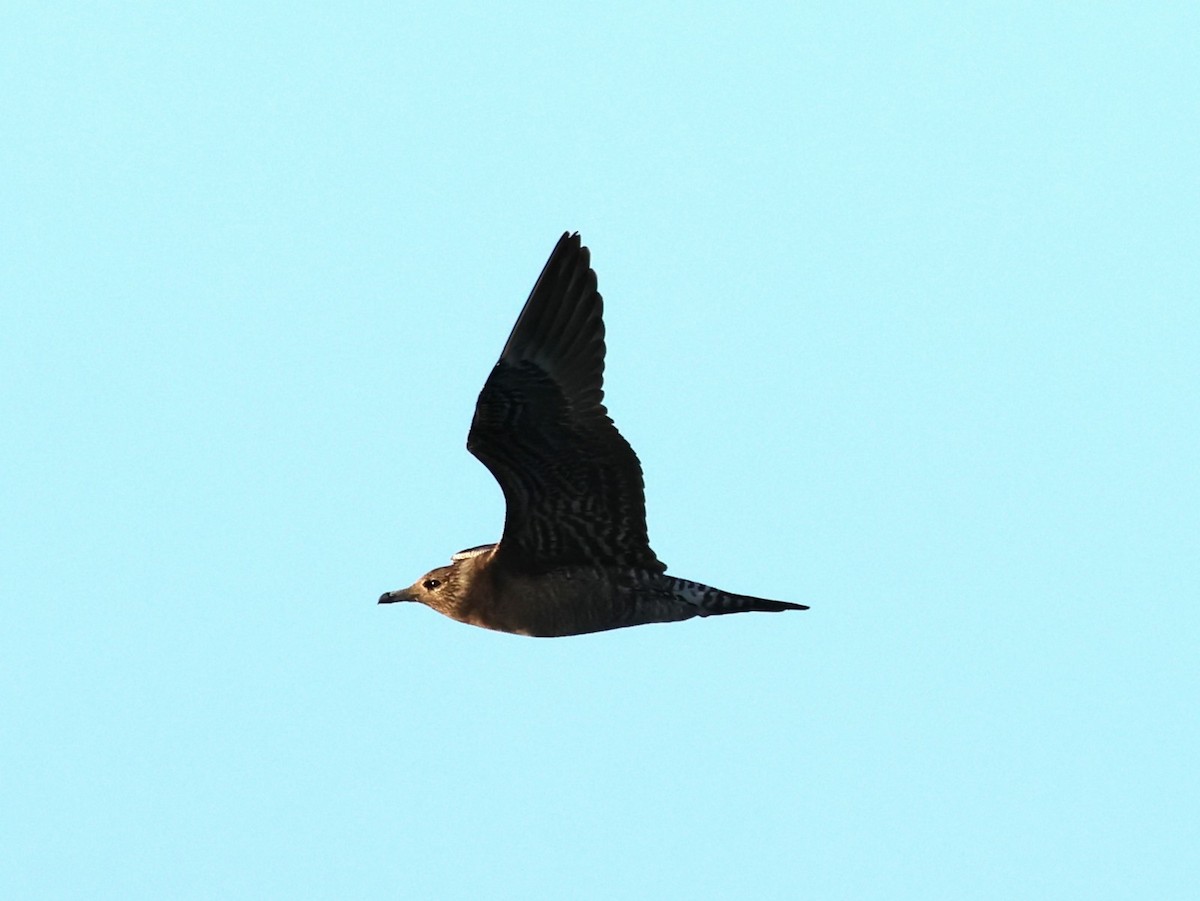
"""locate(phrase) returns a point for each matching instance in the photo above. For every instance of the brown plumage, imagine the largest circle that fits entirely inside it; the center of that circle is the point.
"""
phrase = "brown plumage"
(574, 556)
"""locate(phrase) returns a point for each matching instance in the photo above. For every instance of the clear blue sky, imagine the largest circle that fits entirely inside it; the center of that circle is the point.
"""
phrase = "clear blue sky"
(903, 307)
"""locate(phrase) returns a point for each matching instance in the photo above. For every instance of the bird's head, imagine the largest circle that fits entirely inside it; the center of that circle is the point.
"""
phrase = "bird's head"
(445, 588)
(435, 589)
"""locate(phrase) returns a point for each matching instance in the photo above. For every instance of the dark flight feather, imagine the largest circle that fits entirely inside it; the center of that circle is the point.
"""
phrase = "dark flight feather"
(572, 485)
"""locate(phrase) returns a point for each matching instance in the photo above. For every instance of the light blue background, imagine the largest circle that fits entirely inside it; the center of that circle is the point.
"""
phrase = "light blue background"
(903, 307)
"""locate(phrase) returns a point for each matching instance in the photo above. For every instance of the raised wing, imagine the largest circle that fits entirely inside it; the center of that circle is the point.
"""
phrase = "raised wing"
(572, 484)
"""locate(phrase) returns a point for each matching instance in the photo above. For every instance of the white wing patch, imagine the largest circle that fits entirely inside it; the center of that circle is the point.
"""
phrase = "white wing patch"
(471, 552)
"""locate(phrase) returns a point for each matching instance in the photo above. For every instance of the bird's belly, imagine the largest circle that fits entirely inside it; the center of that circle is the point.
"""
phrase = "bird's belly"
(560, 602)
(577, 601)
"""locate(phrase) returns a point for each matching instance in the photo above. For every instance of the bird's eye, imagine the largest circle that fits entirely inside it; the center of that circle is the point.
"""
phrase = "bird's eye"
(430, 584)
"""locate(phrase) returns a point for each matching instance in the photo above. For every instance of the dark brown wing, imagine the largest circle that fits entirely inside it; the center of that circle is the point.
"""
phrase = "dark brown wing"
(572, 484)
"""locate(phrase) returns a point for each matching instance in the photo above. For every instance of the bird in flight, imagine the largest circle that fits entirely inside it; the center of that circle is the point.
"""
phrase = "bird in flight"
(574, 556)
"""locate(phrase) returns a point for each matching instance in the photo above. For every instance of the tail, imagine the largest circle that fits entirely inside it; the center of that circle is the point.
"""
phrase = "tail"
(710, 601)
